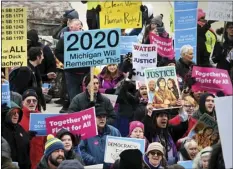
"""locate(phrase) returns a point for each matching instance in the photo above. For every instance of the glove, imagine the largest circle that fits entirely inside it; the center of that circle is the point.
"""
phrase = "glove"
(183, 116)
(110, 91)
(142, 8)
(128, 57)
(220, 94)
(132, 73)
(210, 22)
(98, 8)
(77, 139)
(31, 134)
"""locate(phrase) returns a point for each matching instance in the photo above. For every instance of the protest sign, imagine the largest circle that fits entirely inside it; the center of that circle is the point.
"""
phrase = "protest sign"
(223, 107)
(37, 122)
(211, 80)
(112, 98)
(115, 145)
(164, 45)
(98, 166)
(91, 48)
(126, 14)
(205, 132)
(14, 37)
(220, 11)
(127, 43)
(162, 87)
(144, 56)
(83, 122)
(186, 164)
(185, 26)
(6, 93)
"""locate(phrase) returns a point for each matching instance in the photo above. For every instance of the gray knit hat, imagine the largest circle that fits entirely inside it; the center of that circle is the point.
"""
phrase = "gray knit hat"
(157, 20)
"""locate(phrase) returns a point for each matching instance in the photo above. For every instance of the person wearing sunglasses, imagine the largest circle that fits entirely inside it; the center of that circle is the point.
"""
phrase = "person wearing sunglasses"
(154, 157)
(30, 105)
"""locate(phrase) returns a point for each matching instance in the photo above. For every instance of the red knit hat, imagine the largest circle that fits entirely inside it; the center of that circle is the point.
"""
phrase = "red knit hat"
(135, 124)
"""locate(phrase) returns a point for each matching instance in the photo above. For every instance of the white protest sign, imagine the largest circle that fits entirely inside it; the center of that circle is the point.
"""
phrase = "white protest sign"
(112, 98)
(223, 107)
(144, 56)
(115, 145)
(220, 11)
(98, 166)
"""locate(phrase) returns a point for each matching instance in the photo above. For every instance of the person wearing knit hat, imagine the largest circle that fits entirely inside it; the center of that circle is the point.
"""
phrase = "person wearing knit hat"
(53, 154)
(70, 164)
(136, 129)
(130, 159)
(30, 99)
(154, 156)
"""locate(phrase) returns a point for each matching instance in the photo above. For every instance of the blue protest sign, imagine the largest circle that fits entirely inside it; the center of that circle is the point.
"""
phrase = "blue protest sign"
(127, 43)
(37, 122)
(185, 5)
(6, 93)
(186, 164)
(186, 19)
(91, 48)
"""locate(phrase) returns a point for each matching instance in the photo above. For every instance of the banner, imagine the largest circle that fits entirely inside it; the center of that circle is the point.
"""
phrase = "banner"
(14, 37)
(112, 98)
(37, 122)
(185, 26)
(211, 80)
(115, 145)
(205, 132)
(91, 48)
(162, 87)
(127, 43)
(126, 14)
(144, 56)
(164, 45)
(83, 122)
(6, 95)
(223, 107)
(220, 11)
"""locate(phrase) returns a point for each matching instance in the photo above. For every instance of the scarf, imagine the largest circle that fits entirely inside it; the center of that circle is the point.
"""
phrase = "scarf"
(146, 161)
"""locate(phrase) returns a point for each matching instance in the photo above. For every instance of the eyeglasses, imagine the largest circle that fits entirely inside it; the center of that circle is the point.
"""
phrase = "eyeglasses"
(189, 106)
(31, 101)
(156, 152)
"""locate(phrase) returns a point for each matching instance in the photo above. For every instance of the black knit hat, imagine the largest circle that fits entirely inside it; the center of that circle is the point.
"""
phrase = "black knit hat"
(87, 79)
(131, 159)
(29, 92)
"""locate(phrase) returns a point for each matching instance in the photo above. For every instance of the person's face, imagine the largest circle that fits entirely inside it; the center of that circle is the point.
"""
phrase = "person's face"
(169, 84)
(153, 26)
(57, 157)
(202, 19)
(30, 103)
(192, 150)
(112, 68)
(162, 120)
(214, 136)
(162, 83)
(95, 85)
(230, 30)
(205, 162)
(189, 55)
(14, 114)
(143, 91)
(101, 121)
(151, 85)
(197, 95)
(155, 157)
(208, 132)
(189, 108)
(209, 104)
(75, 26)
(137, 133)
(67, 141)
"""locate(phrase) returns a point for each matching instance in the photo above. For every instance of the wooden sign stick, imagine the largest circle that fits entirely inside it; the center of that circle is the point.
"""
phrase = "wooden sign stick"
(92, 84)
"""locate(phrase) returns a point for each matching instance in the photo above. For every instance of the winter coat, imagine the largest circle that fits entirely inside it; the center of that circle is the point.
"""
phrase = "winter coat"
(17, 98)
(182, 68)
(147, 165)
(37, 143)
(140, 111)
(93, 149)
(82, 102)
(18, 140)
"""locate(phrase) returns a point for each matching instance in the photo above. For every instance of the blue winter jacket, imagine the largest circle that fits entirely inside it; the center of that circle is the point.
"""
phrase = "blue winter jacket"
(92, 149)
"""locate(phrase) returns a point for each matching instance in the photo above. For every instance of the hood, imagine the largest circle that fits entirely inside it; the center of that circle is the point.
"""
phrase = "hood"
(33, 38)
(6, 150)
(202, 102)
(13, 106)
(63, 132)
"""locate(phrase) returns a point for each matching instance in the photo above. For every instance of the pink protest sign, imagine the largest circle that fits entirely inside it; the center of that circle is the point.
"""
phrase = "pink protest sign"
(164, 45)
(211, 80)
(83, 122)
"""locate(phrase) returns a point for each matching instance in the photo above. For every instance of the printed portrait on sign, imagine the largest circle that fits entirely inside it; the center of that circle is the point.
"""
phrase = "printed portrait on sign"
(162, 86)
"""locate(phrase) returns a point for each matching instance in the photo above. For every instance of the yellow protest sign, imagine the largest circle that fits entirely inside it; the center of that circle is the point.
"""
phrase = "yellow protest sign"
(124, 14)
(14, 37)
(172, 19)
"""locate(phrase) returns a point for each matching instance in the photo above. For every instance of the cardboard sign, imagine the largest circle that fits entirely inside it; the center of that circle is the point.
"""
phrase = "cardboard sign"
(14, 37)
(164, 45)
(186, 164)
(223, 107)
(162, 87)
(211, 80)
(126, 14)
(144, 56)
(115, 145)
(112, 98)
(37, 122)
(6, 95)
(91, 48)
(220, 11)
(83, 122)
(127, 43)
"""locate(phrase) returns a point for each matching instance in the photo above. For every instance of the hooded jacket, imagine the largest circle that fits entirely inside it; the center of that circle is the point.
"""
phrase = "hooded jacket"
(202, 109)
(18, 140)
(37, 143)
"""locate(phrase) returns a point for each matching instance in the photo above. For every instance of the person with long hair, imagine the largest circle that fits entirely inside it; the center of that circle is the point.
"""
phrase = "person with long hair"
(171, 85)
